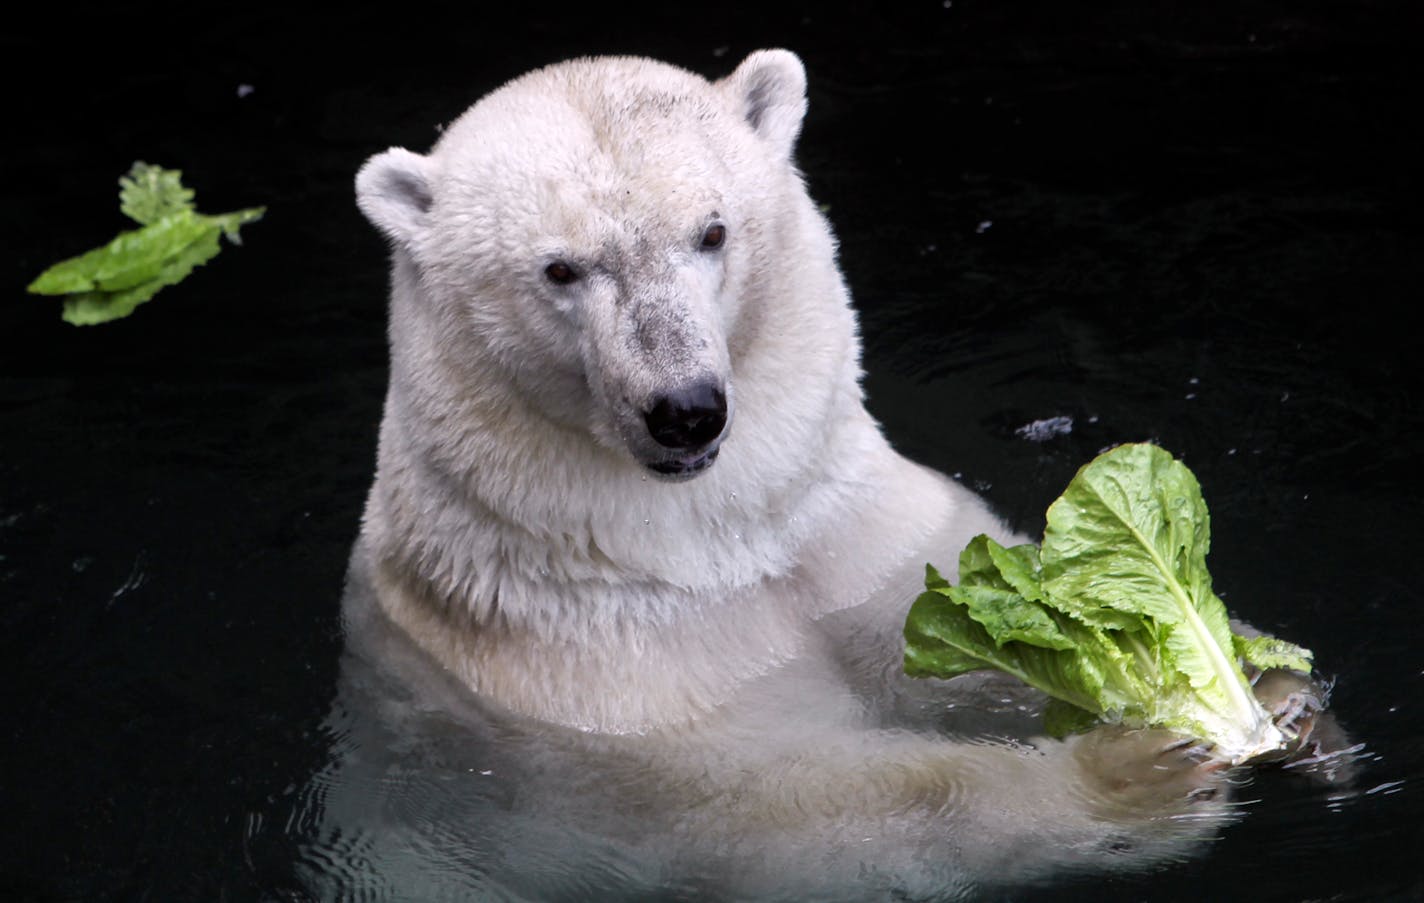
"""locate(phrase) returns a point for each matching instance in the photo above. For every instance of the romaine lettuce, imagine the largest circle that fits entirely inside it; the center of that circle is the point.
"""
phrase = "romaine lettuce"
(109, 282)
(1113, 617)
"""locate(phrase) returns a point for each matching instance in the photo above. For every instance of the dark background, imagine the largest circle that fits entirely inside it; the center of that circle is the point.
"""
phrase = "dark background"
(1190, 222)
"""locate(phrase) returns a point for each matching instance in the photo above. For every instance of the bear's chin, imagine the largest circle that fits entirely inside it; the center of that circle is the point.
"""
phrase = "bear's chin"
(684, 467)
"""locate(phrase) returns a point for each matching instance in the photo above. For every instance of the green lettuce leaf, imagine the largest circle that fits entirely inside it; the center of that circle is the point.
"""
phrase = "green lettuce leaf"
(131, 259)
(1113, 616)
(108, 282)
(149, 193)
(1266, 652)
(86, 308)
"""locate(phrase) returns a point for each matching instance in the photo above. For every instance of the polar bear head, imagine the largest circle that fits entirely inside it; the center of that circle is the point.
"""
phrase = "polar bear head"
(600, 236)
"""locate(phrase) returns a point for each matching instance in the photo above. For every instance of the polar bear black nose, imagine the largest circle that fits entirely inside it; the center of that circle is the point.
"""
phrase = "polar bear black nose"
(688, 418)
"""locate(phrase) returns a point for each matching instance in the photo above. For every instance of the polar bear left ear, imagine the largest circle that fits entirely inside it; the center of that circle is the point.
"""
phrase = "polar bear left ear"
(770, 88)
(394, 190)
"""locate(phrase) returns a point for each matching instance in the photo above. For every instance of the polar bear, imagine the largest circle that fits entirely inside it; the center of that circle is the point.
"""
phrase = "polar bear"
(635, 537)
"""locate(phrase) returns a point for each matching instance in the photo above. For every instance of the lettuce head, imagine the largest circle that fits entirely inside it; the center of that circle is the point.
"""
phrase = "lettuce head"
(1113, 616)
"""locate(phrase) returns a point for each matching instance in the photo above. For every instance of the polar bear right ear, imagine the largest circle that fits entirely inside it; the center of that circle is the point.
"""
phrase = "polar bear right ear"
(770, 88)
(393, 189)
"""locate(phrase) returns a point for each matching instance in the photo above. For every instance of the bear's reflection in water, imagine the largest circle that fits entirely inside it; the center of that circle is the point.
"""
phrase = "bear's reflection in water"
(431, 795)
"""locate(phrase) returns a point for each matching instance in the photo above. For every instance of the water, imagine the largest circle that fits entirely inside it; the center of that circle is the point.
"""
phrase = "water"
(1203, 231)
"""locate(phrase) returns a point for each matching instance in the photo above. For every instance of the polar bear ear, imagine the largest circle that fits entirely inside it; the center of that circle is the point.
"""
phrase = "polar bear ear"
(770, 89)
(393, 189)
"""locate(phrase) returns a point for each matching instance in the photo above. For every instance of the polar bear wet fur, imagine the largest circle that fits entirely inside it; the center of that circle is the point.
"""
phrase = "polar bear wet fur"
(627, 485)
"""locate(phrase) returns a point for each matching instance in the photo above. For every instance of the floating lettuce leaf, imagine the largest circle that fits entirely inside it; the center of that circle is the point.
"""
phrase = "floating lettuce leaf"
(107, 283)
(149, 193)
(1114, 616)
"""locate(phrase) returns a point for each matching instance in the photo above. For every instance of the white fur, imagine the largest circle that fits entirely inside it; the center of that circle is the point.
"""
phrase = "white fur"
(746, 621)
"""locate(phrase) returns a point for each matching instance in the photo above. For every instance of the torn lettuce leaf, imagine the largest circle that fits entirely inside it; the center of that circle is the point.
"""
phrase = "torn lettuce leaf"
(1113, 616)
(108, 282)
(149, 193)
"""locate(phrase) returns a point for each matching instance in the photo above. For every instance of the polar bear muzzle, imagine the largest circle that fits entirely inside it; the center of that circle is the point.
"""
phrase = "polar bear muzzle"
(689, 422)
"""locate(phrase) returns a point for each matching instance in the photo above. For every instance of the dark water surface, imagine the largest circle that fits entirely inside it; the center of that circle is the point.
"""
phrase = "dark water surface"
(1192, 223)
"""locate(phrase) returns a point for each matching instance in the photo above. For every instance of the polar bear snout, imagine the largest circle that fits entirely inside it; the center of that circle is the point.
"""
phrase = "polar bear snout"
(689, 422)
(688, 419)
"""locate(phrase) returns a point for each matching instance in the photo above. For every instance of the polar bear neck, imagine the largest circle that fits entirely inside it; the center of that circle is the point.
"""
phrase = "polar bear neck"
(562, 630)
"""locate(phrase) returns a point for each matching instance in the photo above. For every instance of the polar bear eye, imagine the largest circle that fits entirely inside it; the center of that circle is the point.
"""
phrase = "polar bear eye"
(713, 237)
(560, 273)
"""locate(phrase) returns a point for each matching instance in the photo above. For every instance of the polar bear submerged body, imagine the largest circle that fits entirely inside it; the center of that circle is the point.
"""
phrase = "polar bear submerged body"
(630, 503)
